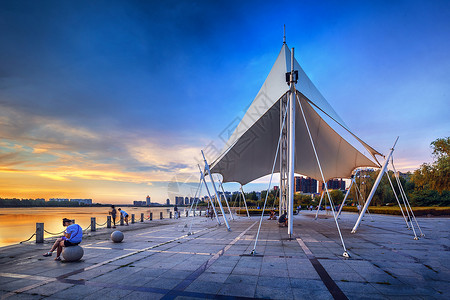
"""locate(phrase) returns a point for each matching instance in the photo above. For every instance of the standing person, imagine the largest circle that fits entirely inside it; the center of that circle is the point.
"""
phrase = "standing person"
(175, 211)
(125, 215)
(113, 214)
(72, 237)
(211, 212)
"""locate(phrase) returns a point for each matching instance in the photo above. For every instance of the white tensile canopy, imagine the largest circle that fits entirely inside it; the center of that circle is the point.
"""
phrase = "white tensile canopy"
(250, 151)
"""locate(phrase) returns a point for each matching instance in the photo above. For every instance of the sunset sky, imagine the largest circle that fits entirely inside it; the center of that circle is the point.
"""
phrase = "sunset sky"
(113, 100)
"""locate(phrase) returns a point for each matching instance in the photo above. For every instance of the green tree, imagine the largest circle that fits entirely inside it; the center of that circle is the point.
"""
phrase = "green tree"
(435, 176)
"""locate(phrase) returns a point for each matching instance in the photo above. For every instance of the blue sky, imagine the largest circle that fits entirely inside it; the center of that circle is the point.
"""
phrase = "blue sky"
(112, 99)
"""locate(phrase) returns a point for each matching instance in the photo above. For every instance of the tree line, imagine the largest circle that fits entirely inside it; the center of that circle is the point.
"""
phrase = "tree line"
(429, 185)
(14, 202)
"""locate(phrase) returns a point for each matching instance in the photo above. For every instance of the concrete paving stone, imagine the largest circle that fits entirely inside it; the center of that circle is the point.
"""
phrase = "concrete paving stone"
(221, 269)
(136, 295)
(302, 294)
(25, 296)
(188, 266)
(89, 274)
(402, 290)
(273, 293)
(162, 283)
(213, 277)
(355, 295)
(347, 276)
(77, 292)
(280, 272)
(207, 287)
(238, 290)
(363, 288)
(175, 274)
(274, 282)
(306, 272)
(245, 271)
(108, 293)
(311, 284)
(49, 288)
(19, 283)
(239, 279)
(5, 280)
(188, 298)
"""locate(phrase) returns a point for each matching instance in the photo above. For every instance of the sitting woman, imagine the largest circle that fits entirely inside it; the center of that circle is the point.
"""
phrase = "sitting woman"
(72, 237)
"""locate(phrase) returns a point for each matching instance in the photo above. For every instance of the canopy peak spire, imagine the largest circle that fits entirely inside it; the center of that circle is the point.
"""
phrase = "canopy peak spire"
(284, 33)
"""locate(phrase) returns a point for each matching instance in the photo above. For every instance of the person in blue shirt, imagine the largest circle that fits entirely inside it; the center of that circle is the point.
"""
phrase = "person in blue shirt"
(125, 215)
(72, 237)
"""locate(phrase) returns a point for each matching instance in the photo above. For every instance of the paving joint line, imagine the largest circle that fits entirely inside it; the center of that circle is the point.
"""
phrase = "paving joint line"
(332, 287)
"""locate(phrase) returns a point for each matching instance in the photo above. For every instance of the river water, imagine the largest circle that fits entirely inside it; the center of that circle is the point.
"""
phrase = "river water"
(18, 224)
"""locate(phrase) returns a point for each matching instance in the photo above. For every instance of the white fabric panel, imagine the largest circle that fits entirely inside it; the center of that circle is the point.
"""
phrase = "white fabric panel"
(337, 157)
(252, 156)
(250, 151)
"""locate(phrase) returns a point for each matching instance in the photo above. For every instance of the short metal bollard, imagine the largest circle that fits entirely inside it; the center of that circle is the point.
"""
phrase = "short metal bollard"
(39, 233)
(151, 216)
(121, 220)
(108, 221)
(160, 215)
(200, 213)
(93, 224)
(142, 217)
(132, 218)
(170, 215)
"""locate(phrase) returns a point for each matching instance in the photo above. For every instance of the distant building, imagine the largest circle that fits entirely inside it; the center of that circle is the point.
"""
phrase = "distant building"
(304, 185)
(58, 199)
(84, 201)
(179, 200)
(168, 202)
(333, 184)
(139, 203)
(147, 200)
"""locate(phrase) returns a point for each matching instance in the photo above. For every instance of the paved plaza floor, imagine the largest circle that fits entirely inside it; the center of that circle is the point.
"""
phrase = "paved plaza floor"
(159, 259)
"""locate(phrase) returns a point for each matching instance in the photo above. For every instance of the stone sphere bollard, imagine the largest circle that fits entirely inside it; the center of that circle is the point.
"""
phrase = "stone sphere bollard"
(72, 253)
(117, 236)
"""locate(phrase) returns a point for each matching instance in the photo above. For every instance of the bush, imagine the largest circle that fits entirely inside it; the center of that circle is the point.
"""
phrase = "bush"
(395, 210)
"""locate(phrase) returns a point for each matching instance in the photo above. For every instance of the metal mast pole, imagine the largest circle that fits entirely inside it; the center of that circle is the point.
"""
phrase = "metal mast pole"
(374, 188)
(291, 147)
(217, 194)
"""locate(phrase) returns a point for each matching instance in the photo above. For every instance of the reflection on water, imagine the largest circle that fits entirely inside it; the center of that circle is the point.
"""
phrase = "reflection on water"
(18, 224)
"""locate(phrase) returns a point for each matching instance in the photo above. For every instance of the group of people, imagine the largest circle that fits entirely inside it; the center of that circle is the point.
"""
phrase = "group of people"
(113, 214)
(282, 220)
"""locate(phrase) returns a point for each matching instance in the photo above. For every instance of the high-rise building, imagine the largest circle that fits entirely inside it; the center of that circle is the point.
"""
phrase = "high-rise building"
(333, 184)
(304, 185)
(148, 200)
(179, 200)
